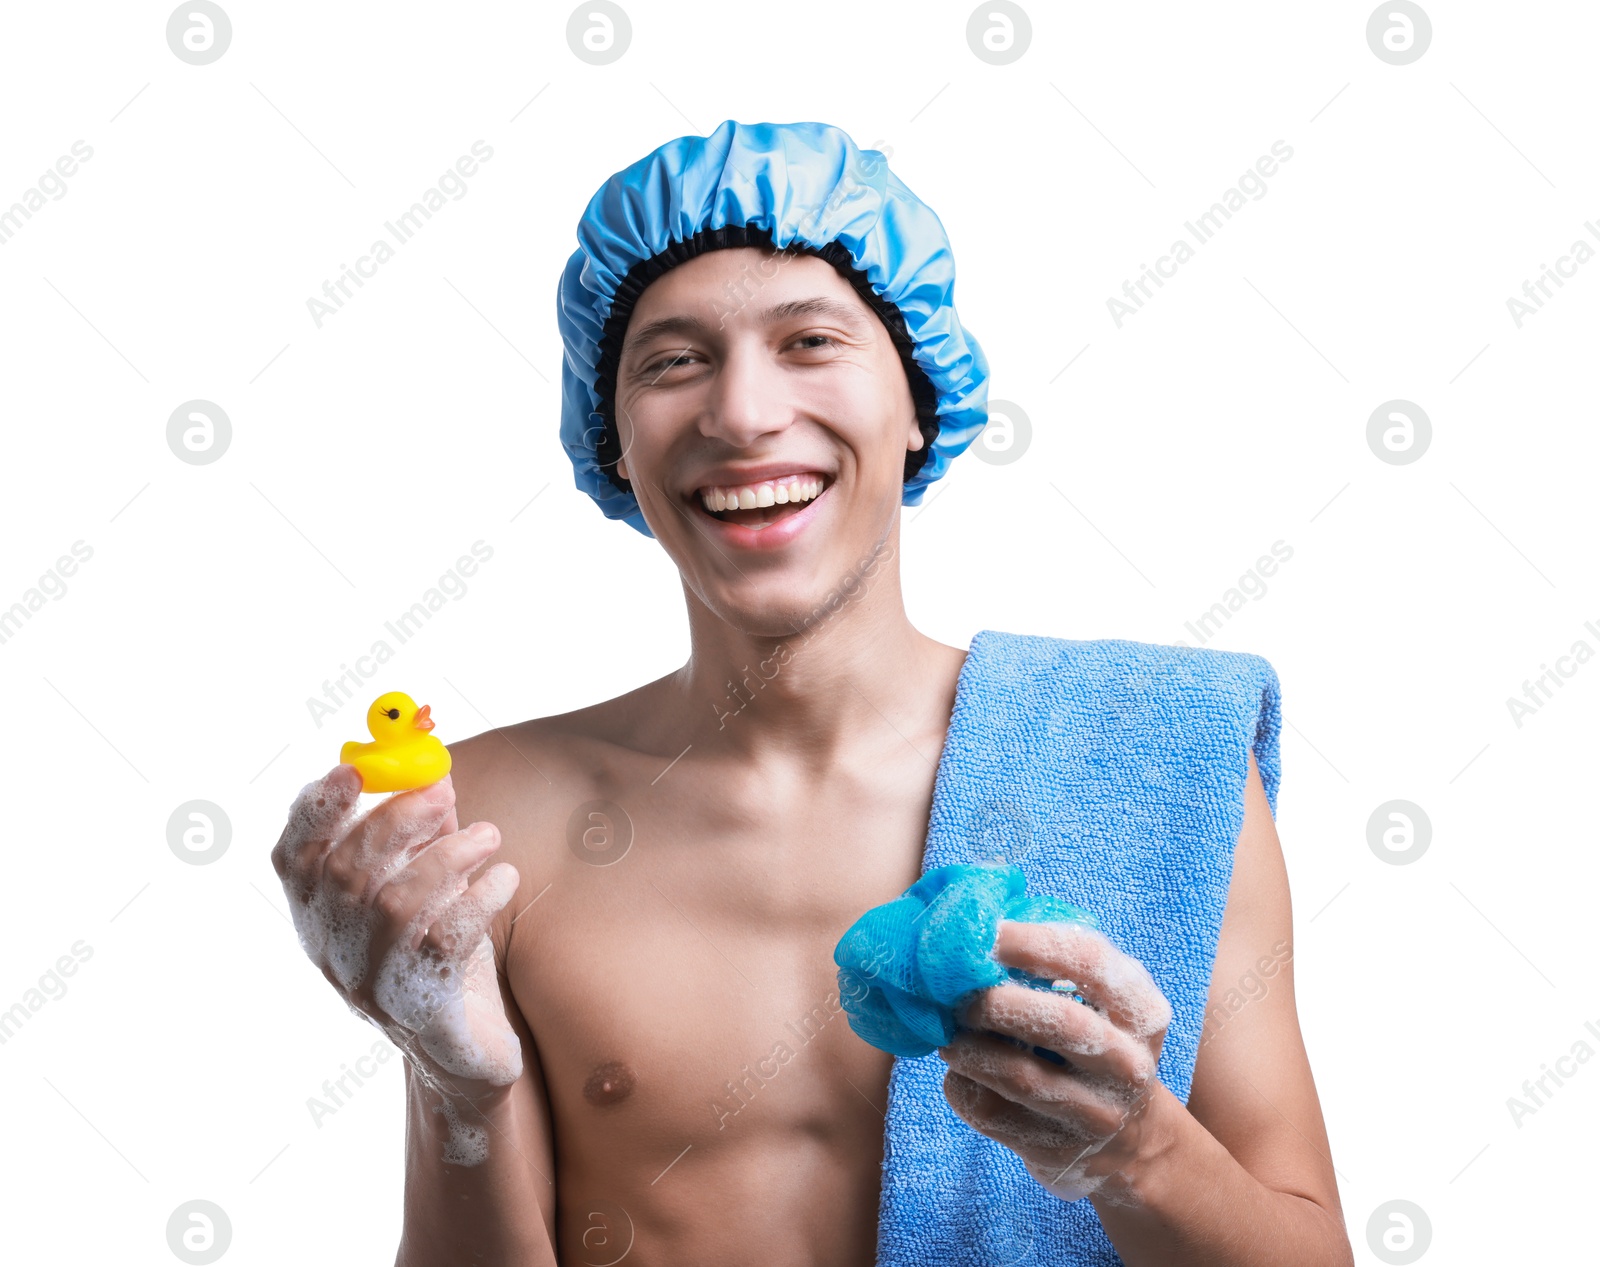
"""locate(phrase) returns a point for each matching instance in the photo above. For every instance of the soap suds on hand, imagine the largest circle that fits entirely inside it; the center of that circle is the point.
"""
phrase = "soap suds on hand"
(441, 1003)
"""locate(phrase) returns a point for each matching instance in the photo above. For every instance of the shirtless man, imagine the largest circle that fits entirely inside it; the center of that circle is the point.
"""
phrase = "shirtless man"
(657, 1066)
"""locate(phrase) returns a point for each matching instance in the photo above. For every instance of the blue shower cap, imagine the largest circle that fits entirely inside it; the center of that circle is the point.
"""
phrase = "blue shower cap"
(908, 967)
(801, 186)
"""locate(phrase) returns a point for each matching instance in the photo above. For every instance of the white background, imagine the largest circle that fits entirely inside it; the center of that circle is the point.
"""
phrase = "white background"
(1228, 414)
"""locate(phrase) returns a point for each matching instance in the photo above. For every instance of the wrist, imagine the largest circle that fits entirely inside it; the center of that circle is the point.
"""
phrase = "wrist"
(431, 1092)
(1159, 1151)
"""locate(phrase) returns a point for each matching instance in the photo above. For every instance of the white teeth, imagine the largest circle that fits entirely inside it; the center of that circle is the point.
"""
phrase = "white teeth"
(767, 493)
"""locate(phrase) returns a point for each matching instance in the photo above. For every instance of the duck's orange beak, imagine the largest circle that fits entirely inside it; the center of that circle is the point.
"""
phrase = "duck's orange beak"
(423, 721)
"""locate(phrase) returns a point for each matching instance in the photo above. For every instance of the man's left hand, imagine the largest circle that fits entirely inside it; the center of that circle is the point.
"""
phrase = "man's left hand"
(1080, 1124)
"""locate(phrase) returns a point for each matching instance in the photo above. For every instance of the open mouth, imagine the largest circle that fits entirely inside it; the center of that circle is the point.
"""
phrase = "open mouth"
(765, 502)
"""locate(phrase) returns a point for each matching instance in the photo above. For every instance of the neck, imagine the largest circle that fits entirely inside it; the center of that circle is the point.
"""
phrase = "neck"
(853, 672)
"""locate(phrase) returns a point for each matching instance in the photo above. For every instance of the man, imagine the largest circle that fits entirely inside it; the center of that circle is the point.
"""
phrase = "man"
(625, 1037)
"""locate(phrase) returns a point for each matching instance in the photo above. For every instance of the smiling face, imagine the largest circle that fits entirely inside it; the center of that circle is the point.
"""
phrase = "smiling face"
(764, 418)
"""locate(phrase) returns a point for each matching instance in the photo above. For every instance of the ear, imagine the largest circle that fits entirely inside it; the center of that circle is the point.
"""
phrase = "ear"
(622, 468)
(915, 440)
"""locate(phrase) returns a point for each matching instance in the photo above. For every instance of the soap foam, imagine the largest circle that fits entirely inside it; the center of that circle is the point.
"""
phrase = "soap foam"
(450, 888)
(1044, 1019)
(315, 821)
(1101, 1101)
(446, 997)
(1020, 1126)
(1104, 1104)
(336, 929)
(437, 998)
(1040, 1015)
(1030, 1135)
(468, 1144)
(386, 845)
(1070, 1184)
(318, 808)
(1121, 982)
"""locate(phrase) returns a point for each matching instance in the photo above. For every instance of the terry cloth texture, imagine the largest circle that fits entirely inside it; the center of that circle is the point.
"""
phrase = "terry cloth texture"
(1113, 773)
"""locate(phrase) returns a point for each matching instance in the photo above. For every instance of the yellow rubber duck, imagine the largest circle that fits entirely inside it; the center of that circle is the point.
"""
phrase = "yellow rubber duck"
(402, 754)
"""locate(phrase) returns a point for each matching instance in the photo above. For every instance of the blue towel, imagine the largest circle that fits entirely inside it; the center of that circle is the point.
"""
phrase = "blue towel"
(1112, 772)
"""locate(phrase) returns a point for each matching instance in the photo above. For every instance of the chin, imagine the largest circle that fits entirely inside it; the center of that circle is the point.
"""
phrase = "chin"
(774, 608)
(784, 603)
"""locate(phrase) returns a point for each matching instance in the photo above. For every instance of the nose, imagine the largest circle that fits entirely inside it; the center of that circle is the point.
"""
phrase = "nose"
(749, 398)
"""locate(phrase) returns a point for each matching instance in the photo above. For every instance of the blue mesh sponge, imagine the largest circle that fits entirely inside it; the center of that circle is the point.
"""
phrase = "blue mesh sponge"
(908, 966)
(805, 185)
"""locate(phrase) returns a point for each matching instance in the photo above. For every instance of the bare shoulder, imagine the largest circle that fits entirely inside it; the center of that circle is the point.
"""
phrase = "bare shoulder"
(1253, 1088)
(500, 773)
(527, 778)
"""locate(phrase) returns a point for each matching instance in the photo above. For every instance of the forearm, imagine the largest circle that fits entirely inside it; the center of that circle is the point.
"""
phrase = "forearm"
(487, 1213)
(1190, 1202)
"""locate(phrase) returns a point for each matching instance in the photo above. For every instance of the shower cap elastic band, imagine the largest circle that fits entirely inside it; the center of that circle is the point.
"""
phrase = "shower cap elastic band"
(788, 186)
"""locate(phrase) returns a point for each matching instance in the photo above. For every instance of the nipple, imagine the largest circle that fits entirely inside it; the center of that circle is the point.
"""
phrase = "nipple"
(610, 1083)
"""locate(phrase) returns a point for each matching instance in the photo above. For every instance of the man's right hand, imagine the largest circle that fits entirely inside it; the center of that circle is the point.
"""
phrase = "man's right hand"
(382, 906)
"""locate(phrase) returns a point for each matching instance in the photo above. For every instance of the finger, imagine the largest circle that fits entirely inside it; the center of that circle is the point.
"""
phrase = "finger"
(460, 930)
(402, 859)
(1042, 1018)
(315, 821)
(1090, 1106)
(1018, 1127)
(385, 838)
(1105, 976)
(416, 894)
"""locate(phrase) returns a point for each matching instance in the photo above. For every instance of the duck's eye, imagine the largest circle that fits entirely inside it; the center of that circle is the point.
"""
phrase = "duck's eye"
(392, 714)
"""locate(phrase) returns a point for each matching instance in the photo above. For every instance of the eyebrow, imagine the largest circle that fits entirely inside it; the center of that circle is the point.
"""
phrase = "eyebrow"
(687, 325)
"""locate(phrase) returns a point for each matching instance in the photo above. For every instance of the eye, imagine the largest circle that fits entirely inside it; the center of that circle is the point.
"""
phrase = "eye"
(392, 714)
(828, 339)
(666, 363)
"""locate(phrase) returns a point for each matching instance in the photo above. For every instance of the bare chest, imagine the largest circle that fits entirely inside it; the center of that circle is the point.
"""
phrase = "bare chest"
(677, 974)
